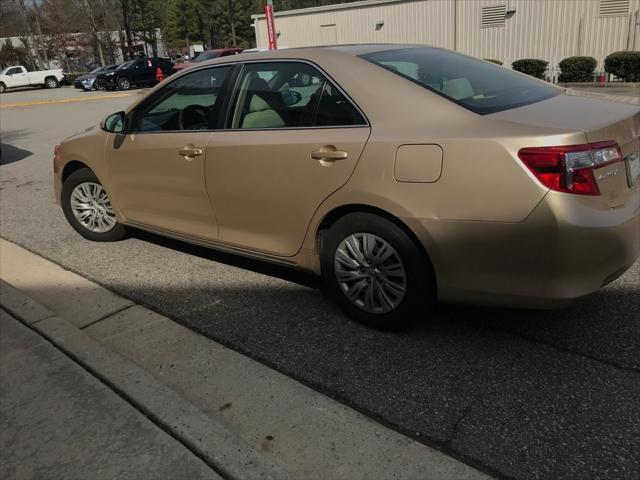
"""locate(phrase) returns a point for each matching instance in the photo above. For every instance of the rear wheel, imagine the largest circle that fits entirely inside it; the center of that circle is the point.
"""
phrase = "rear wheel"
(124, 83)
(376, 272)
(51, 82)
(88, 209)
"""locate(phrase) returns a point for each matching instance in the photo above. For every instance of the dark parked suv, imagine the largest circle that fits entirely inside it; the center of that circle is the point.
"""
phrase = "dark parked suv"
(140, 72)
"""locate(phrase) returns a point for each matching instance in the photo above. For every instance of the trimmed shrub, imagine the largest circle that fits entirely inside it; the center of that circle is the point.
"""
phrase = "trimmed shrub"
(624, 65)
(577, 69)
(531, 66)
(493, 60)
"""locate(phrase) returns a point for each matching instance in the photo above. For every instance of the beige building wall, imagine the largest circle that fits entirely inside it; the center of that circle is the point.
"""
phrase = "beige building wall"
(546, 29)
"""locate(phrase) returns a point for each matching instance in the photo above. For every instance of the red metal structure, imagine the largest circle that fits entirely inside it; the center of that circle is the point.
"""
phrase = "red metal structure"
(271, 27)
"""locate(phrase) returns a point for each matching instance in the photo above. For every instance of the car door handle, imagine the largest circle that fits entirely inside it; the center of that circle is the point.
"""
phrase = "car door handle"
(330, 155)
(190, 151)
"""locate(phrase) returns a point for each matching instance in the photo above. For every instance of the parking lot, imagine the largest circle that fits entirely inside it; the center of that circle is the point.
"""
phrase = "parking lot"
(517, 394)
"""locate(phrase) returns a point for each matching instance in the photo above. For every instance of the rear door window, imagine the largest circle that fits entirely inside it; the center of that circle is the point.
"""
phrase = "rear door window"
(476, 85)
(289, 95)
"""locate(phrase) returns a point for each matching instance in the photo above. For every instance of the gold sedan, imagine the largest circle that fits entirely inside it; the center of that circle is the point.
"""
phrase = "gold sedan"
(401, 174)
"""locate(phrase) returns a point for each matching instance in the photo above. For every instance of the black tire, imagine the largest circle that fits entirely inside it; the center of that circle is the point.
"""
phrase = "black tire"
(118, 232)
(51, 82)
(124, 83)
(419, 296)
(3, 87)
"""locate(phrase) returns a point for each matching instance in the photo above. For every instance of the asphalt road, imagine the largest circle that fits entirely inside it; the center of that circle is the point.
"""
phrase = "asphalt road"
(520, 394)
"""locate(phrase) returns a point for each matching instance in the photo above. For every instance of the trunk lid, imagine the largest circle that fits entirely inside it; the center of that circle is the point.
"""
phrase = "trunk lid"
(601, 120)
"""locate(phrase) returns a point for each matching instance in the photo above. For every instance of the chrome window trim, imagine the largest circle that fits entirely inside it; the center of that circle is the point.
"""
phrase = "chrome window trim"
(241, 64)
(144, 102)
(323, 72)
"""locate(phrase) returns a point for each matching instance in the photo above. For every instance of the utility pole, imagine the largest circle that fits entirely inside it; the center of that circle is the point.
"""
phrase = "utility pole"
(185, 23)
(127, 29)
(40, 42)
(232, 25)
(88, 12)
(29, 36)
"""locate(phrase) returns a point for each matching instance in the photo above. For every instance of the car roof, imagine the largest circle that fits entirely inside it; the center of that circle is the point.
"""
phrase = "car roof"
(311, 52)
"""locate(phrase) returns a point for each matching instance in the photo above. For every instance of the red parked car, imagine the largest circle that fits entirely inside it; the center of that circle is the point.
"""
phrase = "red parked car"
(208, 55)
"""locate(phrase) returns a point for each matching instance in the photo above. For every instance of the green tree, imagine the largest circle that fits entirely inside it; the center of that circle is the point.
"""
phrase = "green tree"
(181, 27)
(11, 54)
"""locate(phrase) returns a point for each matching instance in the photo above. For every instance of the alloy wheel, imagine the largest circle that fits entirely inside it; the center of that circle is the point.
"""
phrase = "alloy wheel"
(370, 273)
(51, 83)
(124, 84)
(91, 206)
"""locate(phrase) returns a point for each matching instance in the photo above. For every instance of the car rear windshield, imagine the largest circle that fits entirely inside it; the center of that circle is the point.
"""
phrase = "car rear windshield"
(474, 84)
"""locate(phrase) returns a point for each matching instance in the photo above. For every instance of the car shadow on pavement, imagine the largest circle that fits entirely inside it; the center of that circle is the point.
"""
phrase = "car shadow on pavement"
(520, 408)
(528, 394)
(10, 154)
(601, 326)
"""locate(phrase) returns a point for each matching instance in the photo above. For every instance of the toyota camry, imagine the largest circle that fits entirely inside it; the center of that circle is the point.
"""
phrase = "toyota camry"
(401, 174)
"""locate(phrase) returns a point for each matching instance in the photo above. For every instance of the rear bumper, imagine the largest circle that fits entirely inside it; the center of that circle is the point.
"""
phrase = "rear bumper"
(564, 250)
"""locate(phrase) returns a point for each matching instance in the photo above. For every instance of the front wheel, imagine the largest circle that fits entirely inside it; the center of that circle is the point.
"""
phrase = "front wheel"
(3, 87)
(51, 83)
(88, 209)
(376, 272)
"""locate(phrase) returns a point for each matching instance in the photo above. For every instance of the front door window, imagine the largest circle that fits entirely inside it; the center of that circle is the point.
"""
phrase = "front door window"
(192, 102)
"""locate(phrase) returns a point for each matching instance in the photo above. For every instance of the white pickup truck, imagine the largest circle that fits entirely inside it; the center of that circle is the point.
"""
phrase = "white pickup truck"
(17, 76)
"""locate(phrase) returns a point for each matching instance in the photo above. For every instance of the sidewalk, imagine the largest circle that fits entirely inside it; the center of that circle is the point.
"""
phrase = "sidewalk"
(58, 421)
(243, 419)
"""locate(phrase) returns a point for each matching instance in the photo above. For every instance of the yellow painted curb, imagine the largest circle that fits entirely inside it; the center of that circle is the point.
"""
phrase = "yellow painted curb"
(62, 100)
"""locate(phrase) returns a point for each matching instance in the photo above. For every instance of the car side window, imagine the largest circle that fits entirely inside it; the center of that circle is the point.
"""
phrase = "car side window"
(14, 71)
(165, 64)
(191, 102)
(289, 95)
(334, 109)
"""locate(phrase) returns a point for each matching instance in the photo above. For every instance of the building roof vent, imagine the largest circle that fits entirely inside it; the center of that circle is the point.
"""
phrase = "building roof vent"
(614, 7)
(493, 16)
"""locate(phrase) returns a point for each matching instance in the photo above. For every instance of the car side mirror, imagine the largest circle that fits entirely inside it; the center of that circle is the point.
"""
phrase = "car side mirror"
(114, 123)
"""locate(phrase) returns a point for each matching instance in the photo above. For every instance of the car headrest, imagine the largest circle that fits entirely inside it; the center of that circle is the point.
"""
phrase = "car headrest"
(261, 97)
(458, 88)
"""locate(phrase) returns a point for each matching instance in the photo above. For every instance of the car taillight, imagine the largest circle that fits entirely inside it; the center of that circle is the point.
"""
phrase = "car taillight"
(570, 168)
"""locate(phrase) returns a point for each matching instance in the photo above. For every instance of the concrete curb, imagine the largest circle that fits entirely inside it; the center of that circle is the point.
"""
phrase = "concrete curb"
(259, 423)
(220, 448)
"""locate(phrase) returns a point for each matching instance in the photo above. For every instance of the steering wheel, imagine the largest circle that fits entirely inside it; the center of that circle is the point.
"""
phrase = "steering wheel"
(193, 117)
